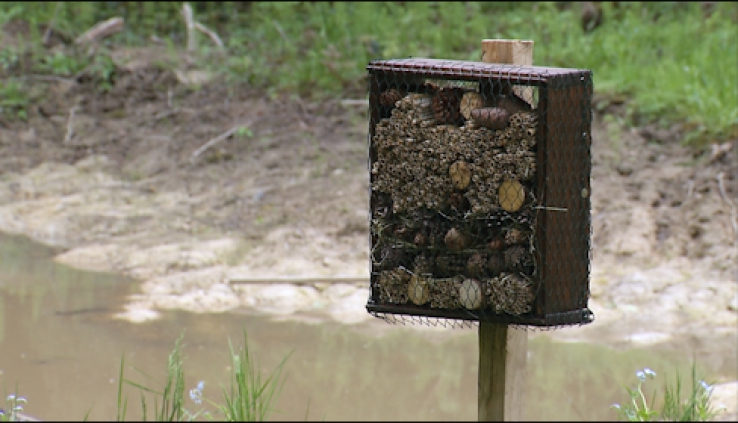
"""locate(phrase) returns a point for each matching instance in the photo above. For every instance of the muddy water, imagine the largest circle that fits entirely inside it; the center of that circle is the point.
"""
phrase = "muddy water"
(60, 345)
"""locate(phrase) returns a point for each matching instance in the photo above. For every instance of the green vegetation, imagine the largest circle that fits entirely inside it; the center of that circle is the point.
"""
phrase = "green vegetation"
(13, 408)
(675, 408)
(249, 398)
(671, 61)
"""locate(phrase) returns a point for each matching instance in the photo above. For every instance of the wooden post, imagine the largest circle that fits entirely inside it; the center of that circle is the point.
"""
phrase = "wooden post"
(503, 350)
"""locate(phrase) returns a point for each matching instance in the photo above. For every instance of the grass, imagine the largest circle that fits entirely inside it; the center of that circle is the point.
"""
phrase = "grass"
(645, 52)
(248, 398)
(13, 409)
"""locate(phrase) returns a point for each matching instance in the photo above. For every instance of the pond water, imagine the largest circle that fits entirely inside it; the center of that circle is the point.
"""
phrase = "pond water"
(61, 347)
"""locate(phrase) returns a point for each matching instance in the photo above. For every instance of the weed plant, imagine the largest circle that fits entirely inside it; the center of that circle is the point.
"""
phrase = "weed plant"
(13, 408)
(671, 61)
(676, 407)
(248, 398)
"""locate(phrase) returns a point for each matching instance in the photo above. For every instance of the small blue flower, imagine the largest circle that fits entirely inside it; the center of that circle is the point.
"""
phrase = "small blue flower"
(196, 394)
(641, 375)
(616, 406)
(649, 372)
(706, 386)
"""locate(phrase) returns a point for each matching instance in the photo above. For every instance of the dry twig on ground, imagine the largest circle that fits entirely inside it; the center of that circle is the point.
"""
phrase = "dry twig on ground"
(219, 138)
(729, 202)
(50, 28)
(101, 30)
(70, 125)
(190, 26)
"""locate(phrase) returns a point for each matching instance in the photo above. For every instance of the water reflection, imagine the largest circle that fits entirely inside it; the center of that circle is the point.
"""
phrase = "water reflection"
(59, 343)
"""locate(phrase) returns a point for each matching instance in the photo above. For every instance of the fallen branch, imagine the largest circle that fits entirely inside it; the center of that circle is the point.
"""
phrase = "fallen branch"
(101, 30)
(281, 31)
(295, 281)
(190, 26)
(718, 151)
(50, 78)
(355, 102)
(47, 33)
(70, 125)
(219, 138)
(729, 202)
(211, 34)
(165, 114)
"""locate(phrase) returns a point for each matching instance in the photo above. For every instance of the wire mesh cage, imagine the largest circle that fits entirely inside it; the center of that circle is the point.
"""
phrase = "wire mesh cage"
(480, 192)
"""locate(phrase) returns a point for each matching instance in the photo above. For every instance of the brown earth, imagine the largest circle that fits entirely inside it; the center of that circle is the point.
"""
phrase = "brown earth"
(110, 178)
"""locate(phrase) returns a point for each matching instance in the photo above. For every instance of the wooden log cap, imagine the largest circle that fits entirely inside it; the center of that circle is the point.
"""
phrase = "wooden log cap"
(511, 195)
(418, 290)
(471, 294)
(460, 174)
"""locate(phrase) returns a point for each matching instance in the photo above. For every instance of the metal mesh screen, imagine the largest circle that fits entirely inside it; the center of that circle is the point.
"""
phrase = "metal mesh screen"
(479, 197)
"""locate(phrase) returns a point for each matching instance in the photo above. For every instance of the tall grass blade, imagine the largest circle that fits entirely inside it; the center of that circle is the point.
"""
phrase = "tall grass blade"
(121, 414)
(250, 399)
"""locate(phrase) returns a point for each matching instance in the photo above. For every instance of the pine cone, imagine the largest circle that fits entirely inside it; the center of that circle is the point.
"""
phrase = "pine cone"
(496, 244)
(420, 239)
(450, 265)
(516, 257)
(388, 258)
(422, 265)
(446, 106)
(515, 236)
(457, 201)
(477, 266)
(389, 97)
(495, 264)
(456, 240)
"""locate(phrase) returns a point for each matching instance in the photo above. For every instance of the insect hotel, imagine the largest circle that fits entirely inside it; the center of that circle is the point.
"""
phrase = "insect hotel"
(480, 192)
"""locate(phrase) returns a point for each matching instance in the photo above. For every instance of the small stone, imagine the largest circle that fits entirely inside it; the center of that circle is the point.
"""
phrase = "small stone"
(420, 239)
(624, 169)
(456, 240)
(496, 244)
(733, 304)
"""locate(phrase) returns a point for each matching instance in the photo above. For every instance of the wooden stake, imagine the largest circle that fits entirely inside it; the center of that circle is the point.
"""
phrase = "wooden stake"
(503, 350)
(512, 52)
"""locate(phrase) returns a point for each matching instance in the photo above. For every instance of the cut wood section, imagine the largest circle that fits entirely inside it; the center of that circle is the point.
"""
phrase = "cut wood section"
(460, 174)
(471, 295)
(511, 195)
(471, 101)
(418, 290)
(503, 350)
